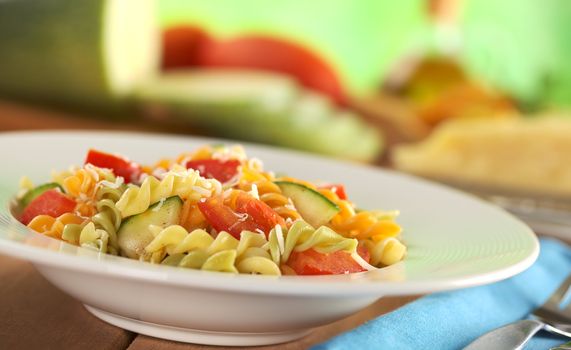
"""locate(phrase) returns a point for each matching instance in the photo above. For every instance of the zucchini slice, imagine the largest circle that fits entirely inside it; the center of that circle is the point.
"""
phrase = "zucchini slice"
(315, 208)
(134, 235)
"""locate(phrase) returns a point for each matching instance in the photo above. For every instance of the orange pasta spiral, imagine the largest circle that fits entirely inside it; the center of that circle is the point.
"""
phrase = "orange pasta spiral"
(53, 227)
(82, 184)
(191, 217)
(363, 225)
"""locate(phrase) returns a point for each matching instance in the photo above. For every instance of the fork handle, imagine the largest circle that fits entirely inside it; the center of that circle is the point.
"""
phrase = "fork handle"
(513, 336)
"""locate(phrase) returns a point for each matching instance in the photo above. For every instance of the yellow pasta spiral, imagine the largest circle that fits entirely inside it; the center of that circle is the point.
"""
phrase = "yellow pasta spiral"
(251, 172)
(387, 251)
(185, 183)
(54, 227)
(199, 250)
(301, 236)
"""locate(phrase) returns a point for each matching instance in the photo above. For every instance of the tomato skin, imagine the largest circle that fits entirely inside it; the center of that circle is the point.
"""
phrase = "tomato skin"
(181, 46)
(311, 262)
(130, 171)
(337, 188)
(276, 55)
(220, 170)
(251, 215)
(51, 202)
(223, 218)
(262, 214)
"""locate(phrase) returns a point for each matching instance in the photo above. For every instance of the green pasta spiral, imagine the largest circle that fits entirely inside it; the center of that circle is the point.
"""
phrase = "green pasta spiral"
(88, 236)
(103, 235)
(199, 250)
(301, 236)
(108, 217)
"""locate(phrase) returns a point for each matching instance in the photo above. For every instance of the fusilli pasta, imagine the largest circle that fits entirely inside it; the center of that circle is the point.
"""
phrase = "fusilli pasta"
(187, 184)
(54, 227)
(301, 236)
(199, 250)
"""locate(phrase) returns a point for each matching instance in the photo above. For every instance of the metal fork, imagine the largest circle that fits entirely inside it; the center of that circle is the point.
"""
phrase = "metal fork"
(550, 316)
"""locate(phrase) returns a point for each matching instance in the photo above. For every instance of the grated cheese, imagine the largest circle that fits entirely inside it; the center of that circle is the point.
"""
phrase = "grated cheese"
(227, 193)
(158, 207)
(254, 191)
(90, 168)
(280, 237)
(362, 262)
(118, 182)
(202, 191)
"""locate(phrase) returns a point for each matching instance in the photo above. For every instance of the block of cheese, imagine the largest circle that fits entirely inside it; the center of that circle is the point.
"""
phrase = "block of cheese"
(522, 154)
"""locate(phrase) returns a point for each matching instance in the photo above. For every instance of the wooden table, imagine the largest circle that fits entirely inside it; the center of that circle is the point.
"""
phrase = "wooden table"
(36, 315)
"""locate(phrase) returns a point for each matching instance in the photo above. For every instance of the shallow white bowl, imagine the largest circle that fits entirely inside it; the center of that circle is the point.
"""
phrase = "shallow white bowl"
(454, 241)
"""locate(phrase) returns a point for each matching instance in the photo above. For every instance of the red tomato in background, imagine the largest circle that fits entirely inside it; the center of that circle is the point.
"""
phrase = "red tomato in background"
(181, 46)
(220, 170)
(251, 214)
(337, 188)
(130, 171)
(52, 203)
(276, 55)
(311, 262)
(189, 46)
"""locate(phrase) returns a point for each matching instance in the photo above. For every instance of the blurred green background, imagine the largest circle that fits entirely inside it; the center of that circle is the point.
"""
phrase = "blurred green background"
(342, 78)
(520, 46)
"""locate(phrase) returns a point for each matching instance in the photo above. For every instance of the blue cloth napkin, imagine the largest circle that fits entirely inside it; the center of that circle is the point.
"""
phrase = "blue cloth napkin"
(452, 320)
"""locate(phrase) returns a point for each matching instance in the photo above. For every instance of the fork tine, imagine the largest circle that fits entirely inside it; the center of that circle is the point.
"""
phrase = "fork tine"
(556, 298)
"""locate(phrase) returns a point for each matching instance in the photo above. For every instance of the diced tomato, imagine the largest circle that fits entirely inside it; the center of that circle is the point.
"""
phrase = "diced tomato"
(130, 171)
(221, 170)
(223, 218)
(251, 214)
(181, 45)
(276, 55)
(311, 262)
(262, 214)
(337, 188)
(52, 203)
(364, 253)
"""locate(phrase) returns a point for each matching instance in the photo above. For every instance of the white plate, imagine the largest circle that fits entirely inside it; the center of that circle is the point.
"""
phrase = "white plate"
(454, 241)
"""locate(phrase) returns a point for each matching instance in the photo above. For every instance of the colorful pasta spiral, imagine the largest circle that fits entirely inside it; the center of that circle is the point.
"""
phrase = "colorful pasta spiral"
(54, 227)
(199, 250)
(187, 184)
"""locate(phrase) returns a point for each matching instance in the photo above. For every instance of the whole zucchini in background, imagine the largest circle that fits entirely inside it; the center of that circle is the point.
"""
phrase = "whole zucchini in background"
(87, 53)
(261, 107)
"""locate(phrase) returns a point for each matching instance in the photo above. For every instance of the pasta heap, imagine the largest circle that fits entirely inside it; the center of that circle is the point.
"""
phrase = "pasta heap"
(212, 209)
